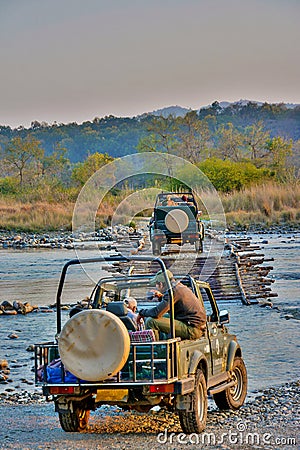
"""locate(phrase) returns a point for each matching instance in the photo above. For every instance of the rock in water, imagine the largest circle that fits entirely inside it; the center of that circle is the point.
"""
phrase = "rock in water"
(13, 335)
(3, 364)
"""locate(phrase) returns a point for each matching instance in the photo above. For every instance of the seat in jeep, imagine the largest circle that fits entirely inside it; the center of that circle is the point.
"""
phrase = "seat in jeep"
(120, 310)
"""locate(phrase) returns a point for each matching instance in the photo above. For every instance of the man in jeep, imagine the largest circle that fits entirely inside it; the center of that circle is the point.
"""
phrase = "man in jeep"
(189, 314)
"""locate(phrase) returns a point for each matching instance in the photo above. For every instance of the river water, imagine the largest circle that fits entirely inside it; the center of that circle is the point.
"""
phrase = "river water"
(270, 338)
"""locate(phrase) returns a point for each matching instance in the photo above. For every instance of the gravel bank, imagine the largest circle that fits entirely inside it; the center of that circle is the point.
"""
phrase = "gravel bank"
(51, 239)
(270, 420)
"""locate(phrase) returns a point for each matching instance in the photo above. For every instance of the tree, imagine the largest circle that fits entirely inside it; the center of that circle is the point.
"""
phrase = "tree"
(162, 138)
(230, 142)
(20, 153)
(54, 165)
(278, 150)
(227, 175)
(194, 135)
(293, 162)
(256, 138)
(83, 171)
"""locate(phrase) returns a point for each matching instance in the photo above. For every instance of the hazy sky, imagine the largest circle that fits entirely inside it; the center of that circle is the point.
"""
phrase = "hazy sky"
(73, 60)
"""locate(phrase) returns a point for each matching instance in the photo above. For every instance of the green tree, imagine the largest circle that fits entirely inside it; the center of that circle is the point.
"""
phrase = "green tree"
(83, 171)
(293, 162)
(55, 164)
(227, 175)
(20, 154)
(278, 150)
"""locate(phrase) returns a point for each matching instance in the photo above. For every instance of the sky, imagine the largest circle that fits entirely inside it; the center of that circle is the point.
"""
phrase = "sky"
(74, 60)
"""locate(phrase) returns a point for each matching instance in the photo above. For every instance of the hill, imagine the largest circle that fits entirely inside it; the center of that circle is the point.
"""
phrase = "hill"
(119, 136)
(175, 111)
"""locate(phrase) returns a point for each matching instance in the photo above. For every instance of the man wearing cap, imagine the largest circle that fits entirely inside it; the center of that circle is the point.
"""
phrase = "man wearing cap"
(189, 314)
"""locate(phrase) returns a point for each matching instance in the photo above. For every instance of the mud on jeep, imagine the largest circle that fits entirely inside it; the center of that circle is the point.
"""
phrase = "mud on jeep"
(98, 356)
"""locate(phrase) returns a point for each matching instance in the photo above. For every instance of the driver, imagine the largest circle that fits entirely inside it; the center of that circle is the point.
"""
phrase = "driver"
(189, 314)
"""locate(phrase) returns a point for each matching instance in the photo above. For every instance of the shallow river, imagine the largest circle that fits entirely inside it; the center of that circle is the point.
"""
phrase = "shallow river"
(270, 342)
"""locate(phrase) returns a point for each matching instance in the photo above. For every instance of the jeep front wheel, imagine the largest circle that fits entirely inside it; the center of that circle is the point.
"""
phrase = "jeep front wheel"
(74, 421)
(193, 419)
(234, 396)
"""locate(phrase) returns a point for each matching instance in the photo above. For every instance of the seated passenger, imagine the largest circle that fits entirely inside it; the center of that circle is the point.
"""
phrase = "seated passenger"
(189, 314)
(184, 198)
(131, 304)
(170, 201)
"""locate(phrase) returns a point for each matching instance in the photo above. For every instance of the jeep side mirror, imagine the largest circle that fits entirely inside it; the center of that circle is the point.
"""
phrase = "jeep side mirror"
(224, 316)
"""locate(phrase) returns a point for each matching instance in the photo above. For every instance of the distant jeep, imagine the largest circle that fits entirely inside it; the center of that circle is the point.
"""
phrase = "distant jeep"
(175, 220)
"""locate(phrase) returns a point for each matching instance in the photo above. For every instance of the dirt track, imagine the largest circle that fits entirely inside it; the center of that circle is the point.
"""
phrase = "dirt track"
(270, 421)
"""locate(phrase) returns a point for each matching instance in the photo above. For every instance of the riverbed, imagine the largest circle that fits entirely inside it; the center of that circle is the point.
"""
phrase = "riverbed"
(270, 338)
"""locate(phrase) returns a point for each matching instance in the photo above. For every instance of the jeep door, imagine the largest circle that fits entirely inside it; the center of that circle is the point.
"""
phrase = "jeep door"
(215, 331)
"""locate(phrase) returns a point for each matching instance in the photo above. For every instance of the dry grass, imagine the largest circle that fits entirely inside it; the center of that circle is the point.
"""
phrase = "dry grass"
(258, 205)
(263, 205)
(44, 216)
(36, 216)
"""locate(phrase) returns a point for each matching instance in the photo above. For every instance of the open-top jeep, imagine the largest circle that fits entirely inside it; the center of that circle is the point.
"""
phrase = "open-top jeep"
(99, 357)
(175, 220)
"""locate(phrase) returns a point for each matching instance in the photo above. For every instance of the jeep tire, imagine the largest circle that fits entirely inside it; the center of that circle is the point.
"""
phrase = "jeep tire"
(177, 221)
(194, 421)
(76, 420)
(79, 348)
(234, 397)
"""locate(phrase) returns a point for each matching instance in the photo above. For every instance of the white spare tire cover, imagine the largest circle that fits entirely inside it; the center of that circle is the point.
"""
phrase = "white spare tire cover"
(94, 345)
(177, 221)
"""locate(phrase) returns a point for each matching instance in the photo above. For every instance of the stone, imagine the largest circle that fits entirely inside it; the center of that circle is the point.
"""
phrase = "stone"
(7, 305)
(30, 348)
(3, 364)
(13, 336)
(10, 312)
(3, 378)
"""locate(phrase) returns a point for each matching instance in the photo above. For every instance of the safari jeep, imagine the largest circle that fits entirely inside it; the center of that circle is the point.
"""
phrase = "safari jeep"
(100, 358)
(175, 221)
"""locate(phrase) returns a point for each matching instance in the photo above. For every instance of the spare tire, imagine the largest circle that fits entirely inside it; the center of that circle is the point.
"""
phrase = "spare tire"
(94, 345)
(177, 221)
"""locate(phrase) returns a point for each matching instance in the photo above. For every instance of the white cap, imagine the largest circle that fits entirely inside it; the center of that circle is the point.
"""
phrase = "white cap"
(131, 302)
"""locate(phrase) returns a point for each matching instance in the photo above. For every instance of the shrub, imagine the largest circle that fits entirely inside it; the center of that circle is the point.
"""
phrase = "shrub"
(9, 186)
(227, 176)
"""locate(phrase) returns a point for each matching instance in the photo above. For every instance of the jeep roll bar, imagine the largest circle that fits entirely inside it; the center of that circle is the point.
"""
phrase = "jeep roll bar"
(110, 259)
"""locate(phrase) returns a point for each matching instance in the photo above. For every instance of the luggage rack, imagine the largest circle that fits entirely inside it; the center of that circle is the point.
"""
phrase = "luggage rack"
(148, 363)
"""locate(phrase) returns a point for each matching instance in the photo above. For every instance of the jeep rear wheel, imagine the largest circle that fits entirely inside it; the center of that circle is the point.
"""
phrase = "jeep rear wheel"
(234, 396)
(74, 421)
(194, 421)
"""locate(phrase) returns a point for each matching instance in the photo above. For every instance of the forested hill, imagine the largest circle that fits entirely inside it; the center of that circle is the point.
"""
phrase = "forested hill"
(120, 136)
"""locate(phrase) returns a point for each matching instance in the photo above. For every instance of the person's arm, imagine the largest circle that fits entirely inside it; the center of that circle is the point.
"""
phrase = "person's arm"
(156, 311)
